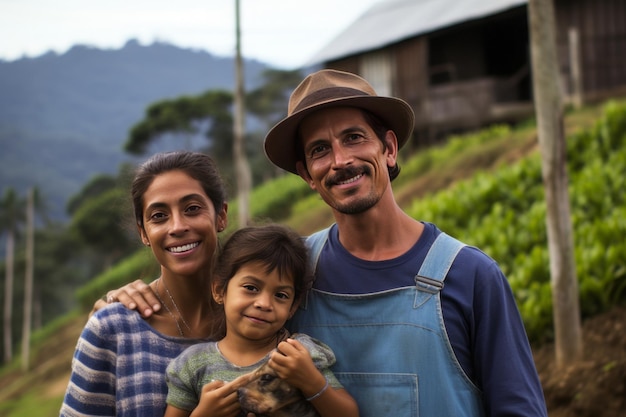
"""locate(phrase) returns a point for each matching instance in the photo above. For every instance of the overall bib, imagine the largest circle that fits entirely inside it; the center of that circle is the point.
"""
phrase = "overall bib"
(393, 353)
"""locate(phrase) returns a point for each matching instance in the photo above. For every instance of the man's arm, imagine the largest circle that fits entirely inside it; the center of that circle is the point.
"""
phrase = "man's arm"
(504, 360)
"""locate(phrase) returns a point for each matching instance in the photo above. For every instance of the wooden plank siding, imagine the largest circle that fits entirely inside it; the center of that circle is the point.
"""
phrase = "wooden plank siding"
(601, 26)
(476, 73)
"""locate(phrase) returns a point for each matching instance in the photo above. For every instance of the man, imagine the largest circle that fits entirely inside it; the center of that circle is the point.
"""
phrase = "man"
(421, 324)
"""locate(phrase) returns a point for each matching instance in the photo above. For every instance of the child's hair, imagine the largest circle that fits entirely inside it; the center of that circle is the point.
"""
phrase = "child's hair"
(277, 247)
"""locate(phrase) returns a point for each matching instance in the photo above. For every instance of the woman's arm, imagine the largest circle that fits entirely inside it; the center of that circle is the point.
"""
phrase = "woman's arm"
(136, 296)
(91, 388)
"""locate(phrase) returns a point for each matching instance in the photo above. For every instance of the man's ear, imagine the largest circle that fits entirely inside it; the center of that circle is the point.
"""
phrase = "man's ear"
(391, 141)
(304, 174)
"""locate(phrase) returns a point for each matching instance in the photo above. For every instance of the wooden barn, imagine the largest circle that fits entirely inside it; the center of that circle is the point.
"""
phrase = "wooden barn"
(463, 64)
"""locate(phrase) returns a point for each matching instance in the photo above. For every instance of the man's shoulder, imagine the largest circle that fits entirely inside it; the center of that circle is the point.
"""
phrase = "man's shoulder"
(319, 236)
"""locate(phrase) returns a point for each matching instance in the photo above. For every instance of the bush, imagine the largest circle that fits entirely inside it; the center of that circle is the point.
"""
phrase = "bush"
(504, 214)
(140, 265)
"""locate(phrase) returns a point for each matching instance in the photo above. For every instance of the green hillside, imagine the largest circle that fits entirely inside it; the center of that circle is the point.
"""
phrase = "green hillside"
(484, 188)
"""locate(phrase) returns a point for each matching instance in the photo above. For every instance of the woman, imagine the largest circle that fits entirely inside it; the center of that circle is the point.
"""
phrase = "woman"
(119, 364)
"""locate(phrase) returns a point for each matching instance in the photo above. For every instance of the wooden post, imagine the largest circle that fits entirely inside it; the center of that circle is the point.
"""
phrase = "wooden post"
(549, 112)
(575, 68)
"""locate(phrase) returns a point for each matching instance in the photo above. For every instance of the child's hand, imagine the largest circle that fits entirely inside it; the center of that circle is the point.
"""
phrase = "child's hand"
(219, 399)
(292, 362)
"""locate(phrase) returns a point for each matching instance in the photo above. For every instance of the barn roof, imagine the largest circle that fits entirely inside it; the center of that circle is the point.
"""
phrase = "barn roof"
(391, 21)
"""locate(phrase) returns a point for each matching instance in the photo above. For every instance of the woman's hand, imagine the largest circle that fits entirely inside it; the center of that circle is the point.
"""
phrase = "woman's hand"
(136, 296)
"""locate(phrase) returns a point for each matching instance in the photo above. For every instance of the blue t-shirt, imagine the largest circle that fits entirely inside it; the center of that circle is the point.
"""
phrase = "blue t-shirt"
(481, 317)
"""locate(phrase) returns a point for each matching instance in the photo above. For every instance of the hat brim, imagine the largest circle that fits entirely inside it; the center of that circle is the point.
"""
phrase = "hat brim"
(280, 142)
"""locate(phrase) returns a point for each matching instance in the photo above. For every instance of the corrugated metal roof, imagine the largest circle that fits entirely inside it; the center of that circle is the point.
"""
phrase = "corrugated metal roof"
(391, 21)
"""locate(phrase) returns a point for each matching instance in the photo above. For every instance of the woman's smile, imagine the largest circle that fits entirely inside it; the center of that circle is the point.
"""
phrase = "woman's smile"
(183, 248)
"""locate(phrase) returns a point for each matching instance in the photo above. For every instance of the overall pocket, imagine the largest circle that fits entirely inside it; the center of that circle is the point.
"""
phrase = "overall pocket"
(383, 395)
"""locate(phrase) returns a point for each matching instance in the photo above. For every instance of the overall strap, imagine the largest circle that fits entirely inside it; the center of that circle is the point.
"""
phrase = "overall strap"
(315, 243)
(437, 263)
(432, 272)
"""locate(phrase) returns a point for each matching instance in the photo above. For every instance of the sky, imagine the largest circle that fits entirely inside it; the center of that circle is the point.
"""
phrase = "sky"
(282, 33)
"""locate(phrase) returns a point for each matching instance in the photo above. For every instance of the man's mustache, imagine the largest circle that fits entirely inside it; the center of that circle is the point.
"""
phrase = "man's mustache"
(345, 174)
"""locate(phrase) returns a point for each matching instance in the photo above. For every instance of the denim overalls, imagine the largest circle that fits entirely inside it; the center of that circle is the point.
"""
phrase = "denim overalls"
(393, 353)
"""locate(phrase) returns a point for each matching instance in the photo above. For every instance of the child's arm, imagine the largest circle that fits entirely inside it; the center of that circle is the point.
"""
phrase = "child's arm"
(293, 363)
(172, 411)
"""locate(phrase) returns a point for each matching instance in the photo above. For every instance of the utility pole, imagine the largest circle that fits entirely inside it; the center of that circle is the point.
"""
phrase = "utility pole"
(242, 167)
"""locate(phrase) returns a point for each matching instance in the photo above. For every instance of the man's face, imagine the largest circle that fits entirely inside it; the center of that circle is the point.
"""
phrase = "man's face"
(345, 160)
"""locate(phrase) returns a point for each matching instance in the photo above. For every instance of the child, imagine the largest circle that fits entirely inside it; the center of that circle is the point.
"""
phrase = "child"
(260, 278)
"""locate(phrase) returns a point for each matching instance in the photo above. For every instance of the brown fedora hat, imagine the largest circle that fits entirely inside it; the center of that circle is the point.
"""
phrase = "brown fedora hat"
(331, 88)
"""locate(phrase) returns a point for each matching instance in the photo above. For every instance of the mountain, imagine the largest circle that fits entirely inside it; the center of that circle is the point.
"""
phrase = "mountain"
(65, 118)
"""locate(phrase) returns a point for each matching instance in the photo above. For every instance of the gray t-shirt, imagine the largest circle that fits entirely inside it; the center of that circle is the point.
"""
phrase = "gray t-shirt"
(202, 363)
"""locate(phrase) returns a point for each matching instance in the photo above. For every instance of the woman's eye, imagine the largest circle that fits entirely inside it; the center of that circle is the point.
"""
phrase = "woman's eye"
(192, 209)
(155, 217)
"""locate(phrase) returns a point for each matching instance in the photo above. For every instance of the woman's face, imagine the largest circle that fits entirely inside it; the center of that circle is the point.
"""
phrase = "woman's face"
(181, 224)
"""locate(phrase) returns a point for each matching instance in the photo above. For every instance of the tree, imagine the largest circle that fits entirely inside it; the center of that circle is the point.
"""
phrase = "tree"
(186, 115)
(268, 103)
(242, 167)
(549, 113)
(28, 278)
(10, 219)
(211, 113)
(95, 187)
(41, 210)
(99, 223)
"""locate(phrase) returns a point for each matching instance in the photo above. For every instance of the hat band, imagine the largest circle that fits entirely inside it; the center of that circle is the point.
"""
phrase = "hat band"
(326, 94)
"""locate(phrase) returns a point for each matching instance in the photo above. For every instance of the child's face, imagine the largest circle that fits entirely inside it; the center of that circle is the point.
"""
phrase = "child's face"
(257, 304)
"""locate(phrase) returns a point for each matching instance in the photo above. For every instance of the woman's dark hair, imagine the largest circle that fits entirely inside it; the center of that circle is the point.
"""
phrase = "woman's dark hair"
(277, 247)
(197, 165)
